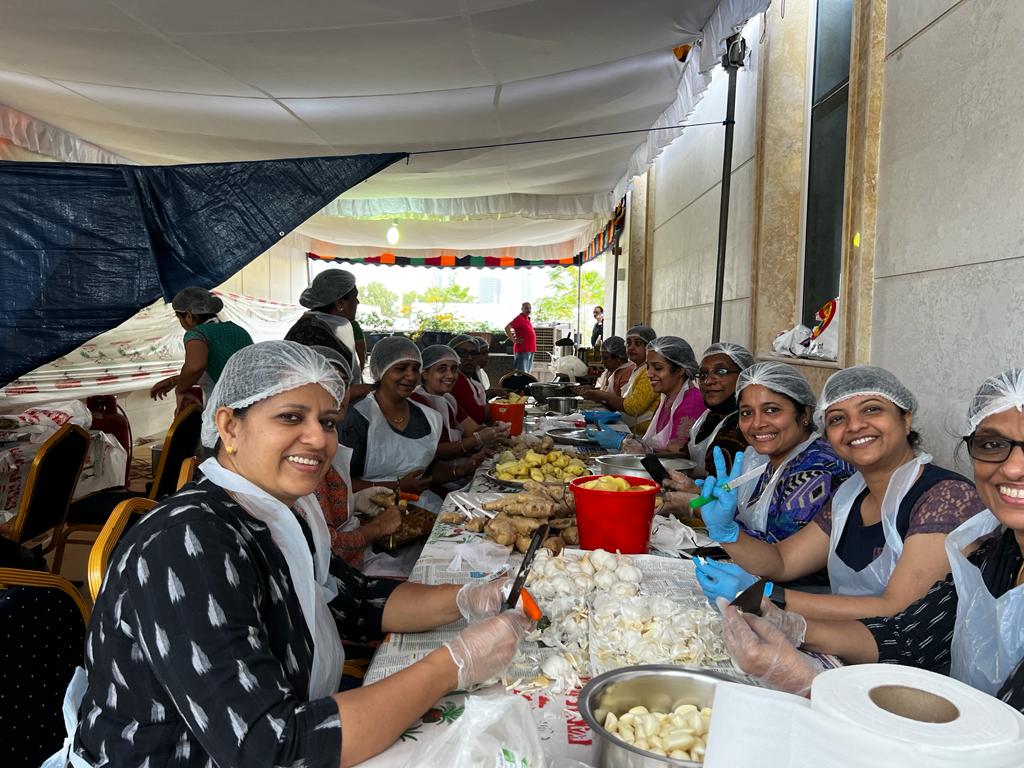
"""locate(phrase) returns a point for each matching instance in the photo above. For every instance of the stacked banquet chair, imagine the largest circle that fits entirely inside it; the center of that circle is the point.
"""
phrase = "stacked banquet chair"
(43, 620)
(88, 514)
(46, 494)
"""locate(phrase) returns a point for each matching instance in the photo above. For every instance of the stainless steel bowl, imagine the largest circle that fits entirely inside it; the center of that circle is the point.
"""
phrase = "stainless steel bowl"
(629, 464)
(660, 688)
(563, 405)
(542, 390)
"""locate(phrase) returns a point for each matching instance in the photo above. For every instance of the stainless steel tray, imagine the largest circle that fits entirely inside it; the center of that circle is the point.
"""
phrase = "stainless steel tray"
(570, 436)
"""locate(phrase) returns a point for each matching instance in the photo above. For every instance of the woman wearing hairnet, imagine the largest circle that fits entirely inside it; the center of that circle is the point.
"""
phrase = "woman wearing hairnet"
(969, 621)
(636, 401)
(468, 392)
(332, 299)
(394, 439)
(800, 471)
(720, 367)
(350, 538)
(882, 537)
(617, 370)
(461, 437)
(208, 345)
(216, 638)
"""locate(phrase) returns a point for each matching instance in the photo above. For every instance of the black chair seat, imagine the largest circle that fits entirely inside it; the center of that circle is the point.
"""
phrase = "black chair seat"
(95, 508)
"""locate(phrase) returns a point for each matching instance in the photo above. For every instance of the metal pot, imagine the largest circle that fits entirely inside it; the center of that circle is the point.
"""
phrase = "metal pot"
(660, 688)
(629, 464)
(563, 405)
(542, 390)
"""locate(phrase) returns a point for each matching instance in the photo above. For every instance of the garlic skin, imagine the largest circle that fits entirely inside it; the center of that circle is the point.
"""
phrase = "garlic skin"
(629, 573)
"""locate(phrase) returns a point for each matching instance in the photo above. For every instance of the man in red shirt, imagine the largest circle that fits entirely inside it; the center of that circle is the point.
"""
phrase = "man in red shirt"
(524, 340)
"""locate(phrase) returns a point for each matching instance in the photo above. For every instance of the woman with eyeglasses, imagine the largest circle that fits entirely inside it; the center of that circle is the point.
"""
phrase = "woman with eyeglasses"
(882, 537)
(617, 370)
(800, 471)
(970, 622)
(720, 367)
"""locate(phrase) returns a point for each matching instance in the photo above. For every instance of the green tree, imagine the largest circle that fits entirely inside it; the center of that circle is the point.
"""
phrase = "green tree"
(559, 302)
(450, 294)
(378, 295)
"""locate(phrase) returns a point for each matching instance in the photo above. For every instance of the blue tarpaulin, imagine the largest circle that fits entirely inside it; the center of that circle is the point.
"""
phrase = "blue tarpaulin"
(85, 247)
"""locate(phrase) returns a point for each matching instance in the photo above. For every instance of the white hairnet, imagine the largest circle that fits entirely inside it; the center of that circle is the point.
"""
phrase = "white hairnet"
(615, 346)
(196, 300)
(263, 370)
(391, 351)
(996, 394)
(327, 287)
(334, 357)
(437, 353)
(483, 344)
(735, 352)
(778, 377)
(864, 380)
(675, 350)
(464, 338)
(645, 332)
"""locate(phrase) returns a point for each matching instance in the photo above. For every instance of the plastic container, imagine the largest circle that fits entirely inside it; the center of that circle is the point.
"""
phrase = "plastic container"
(614, 520)
(513, 413)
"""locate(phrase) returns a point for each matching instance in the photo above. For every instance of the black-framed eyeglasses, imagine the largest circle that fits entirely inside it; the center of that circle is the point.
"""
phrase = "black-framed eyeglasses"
(718, 373)
(990, 448)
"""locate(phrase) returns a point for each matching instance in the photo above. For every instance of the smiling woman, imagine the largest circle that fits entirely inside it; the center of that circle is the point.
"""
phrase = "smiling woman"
(968, 622)
(216, 638)
(881, 538)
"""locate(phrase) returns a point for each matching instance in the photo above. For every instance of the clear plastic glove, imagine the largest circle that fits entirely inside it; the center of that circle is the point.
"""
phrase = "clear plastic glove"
(792, 625)
(763, 652)
(481, 599)
(361, 499)
(606, 438)
(632, 445)
(483, 650)
(719, 515)
(384, 524)
(723, 579)
(486, 436)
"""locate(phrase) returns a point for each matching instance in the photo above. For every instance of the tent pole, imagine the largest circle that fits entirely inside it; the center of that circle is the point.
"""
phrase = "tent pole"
(732, 60)
(615, 286)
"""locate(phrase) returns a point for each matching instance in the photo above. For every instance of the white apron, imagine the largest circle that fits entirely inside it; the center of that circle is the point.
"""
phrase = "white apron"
(390, 455)
(872, 581)
(658, 440)
(342, 464)
(988, 639)
(755, 516)
(311, 579)
(446, 406)
(344, 333)
(699, 451)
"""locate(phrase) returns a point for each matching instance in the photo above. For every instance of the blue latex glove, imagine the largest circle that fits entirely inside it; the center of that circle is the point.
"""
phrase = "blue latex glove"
(719, 515)
(600, 417)
(724, 580)
(608, 439)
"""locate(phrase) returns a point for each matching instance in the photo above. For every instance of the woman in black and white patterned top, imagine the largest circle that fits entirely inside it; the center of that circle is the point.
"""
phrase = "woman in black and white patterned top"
(215, 639)
(968, 624)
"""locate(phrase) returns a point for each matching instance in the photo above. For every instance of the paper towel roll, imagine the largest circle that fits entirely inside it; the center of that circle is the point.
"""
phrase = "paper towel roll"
(913, 705)
(848, 722)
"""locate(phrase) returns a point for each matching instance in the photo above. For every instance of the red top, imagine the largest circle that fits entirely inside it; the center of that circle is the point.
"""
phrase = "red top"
(472, 400)
(449, 419)
(526, 339)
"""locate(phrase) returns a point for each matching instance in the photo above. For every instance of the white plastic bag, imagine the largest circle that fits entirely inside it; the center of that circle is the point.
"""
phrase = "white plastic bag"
(790, 342)
(494, 732)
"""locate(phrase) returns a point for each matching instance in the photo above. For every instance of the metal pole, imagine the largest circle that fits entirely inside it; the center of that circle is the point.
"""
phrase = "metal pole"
(579, 301)
(615, 287)
(732, 60)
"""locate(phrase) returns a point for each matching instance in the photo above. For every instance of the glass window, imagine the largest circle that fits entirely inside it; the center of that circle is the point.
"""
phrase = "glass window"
(826, 168)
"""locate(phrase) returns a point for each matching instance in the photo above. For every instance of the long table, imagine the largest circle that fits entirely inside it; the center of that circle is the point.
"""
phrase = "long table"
(562, 731)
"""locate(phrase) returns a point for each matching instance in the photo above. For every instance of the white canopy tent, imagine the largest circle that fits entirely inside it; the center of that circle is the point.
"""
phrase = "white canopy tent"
(192, 81)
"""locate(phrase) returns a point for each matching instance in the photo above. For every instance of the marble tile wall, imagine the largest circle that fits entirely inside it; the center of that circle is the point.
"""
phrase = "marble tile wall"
(949, 267)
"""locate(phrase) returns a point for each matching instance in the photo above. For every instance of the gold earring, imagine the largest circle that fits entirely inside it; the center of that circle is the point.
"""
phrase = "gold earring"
(230, 450)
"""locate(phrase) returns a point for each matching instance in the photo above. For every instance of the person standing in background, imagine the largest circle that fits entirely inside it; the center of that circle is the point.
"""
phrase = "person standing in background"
(208, 345)
(597, 335)
(524, 340)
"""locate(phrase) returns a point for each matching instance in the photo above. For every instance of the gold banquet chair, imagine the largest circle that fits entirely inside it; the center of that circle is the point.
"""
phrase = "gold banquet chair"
(48, 489)
(125, 514)
(43, 622)
(88, 514)
(188, 471)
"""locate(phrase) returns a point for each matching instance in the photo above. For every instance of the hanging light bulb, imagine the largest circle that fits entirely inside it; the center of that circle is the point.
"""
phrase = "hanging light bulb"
(393, 234)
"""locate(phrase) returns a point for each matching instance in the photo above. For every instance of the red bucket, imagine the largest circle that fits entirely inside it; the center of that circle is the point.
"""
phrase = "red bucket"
(513, 413)
(614, 520)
